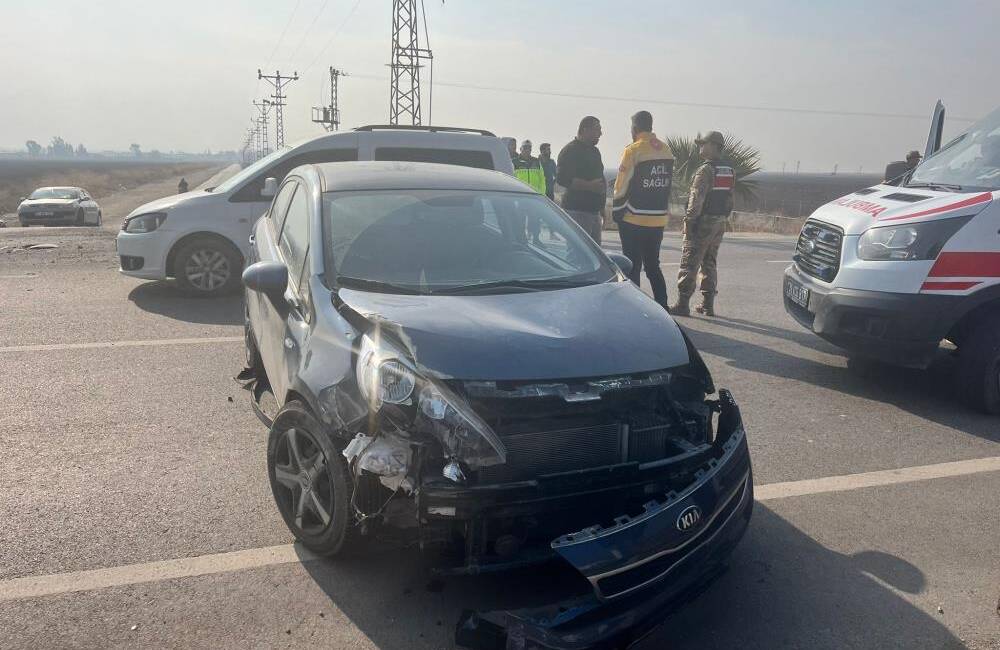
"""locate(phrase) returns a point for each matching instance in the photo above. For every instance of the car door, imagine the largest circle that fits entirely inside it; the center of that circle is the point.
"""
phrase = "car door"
(247, 204)
(89, 208)
(264, 247)
(286, 324)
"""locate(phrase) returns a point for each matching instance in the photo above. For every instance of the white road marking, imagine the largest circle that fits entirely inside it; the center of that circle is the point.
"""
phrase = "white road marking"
(778, 261)
(119, 344)
(76, 581)
(18, 276)
(874, 479)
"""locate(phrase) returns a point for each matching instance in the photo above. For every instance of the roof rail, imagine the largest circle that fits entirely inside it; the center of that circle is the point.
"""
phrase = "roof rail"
(430, 129)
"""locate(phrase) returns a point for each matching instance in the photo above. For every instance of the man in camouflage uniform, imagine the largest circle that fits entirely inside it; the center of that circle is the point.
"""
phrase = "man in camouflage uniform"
(709, 204)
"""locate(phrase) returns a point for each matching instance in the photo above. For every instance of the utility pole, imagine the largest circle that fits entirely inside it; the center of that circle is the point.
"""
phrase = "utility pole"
(329, 116)
(278, 82)
(263, 144)
(404, 89)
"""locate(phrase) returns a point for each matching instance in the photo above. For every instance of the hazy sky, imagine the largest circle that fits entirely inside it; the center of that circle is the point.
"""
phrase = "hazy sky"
(181, 74)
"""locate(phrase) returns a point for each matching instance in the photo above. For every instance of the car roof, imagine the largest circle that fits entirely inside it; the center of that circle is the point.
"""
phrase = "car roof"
(390, 175)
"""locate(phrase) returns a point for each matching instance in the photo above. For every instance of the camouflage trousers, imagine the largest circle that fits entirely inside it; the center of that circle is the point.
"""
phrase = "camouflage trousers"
(702, 238)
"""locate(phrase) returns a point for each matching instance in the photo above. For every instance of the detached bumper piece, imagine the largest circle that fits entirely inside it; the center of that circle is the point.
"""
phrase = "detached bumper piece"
(641, 567)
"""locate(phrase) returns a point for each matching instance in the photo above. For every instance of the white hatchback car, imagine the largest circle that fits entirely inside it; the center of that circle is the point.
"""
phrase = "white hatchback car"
(201, 238)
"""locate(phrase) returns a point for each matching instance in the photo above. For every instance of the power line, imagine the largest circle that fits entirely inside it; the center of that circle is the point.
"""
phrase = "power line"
(336, 33)
(283, 32)
(302, 40)
(646, 100)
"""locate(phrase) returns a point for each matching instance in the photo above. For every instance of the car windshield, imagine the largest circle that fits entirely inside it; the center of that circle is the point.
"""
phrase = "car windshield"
(235, 181)
(55, 193)
(450, 241)
(970, 161)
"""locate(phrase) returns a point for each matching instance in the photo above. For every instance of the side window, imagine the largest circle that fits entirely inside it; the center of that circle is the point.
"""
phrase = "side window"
(280, 205)
(294, 239)
(460, 157)
(250, 192)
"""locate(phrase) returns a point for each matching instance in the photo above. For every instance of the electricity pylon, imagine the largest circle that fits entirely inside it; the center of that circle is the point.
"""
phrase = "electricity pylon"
(278, 82)
(404, 89)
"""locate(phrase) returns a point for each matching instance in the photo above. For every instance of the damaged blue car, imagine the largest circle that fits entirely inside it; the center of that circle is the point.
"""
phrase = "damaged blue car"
(444, 358)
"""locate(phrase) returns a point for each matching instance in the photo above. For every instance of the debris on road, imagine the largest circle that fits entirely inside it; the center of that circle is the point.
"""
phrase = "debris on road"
(3, 224)
(940, 610)
(134, 627)
(40, 247)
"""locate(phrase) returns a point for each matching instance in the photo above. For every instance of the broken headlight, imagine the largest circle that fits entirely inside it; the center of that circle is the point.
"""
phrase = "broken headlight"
(387, 376)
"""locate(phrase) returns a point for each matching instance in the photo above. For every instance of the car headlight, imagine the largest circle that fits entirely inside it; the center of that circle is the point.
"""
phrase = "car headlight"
(919, 241)
(144, 222)
(386, 376)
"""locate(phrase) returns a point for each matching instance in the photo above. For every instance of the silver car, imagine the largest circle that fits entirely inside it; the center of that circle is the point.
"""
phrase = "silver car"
(59, 206)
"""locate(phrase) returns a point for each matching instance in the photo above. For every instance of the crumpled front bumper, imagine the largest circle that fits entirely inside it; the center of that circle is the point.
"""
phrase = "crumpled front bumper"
(640, 568)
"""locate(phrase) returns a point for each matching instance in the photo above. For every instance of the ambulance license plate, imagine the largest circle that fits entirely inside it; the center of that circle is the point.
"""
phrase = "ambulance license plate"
(797, 293)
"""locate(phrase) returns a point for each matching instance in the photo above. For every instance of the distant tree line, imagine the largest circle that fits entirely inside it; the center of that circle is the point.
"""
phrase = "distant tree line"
(60, 148)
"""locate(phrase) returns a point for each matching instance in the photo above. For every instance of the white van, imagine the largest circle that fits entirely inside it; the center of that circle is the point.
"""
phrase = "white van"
(201, 238)
(890, 272)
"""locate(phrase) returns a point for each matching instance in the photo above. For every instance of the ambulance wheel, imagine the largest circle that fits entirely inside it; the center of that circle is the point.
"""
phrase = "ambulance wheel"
(979, 369)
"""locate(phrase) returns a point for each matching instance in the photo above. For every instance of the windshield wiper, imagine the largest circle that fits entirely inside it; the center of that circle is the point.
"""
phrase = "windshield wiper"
(933, 186)
(528, 285)
(376, 285)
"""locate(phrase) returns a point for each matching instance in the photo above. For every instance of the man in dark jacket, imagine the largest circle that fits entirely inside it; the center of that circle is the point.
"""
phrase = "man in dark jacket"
(581, 171)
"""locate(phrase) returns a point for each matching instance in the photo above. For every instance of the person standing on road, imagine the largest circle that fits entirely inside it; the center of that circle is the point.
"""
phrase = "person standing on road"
(182, 187)
(642, 195)
(581, 171)
(709, 204)
(548, 168)
(528, 169)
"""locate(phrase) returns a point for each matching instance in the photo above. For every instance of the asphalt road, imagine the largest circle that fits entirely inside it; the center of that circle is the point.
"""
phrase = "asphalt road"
(136, 511)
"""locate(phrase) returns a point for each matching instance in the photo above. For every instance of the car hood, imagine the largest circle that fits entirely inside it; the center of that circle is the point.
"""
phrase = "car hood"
(55, 203)
(187, 199)
(593, 331)
(886, 205)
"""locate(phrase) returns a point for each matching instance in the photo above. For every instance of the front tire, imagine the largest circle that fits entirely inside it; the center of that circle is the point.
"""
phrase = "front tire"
(207, 267)
(979, 365)
(309, 482)
(100, 220)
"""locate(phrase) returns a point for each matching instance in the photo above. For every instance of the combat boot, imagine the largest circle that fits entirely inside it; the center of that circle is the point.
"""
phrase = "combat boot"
(707, 306)
(680, 308)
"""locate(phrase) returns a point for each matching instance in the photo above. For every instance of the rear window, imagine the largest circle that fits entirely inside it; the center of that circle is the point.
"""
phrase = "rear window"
(460, 157)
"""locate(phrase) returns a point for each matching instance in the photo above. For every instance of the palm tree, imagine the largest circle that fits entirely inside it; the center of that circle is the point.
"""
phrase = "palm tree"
(744, 158)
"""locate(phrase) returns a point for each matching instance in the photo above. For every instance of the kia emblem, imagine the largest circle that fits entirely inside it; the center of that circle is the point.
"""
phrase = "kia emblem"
(689, 518)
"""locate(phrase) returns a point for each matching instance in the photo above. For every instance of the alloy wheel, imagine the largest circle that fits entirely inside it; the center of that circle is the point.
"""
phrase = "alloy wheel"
(307, 492)
(207, 269)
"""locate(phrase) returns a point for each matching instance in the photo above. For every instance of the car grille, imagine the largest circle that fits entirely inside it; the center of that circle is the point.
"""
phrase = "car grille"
(530, 455)
(818, 250)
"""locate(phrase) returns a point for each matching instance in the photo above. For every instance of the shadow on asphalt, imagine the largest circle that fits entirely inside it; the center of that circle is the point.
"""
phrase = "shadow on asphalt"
(783, 590)
(164, 299)
(930, 394)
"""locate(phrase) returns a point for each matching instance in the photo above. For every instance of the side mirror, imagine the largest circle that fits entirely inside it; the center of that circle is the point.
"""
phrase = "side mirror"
(268, 278)
(622, 262)
(270, 188)
(24, 198)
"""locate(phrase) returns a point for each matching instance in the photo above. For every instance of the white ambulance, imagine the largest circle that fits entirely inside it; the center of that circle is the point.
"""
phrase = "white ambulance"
(890, 272)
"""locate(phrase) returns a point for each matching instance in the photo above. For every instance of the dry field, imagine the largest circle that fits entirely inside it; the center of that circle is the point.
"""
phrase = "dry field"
(18, 177)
